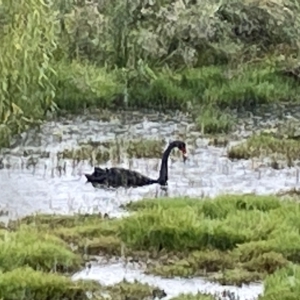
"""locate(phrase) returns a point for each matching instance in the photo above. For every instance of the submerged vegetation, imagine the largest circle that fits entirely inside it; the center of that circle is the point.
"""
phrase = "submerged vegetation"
(230, 239)
(200, 56)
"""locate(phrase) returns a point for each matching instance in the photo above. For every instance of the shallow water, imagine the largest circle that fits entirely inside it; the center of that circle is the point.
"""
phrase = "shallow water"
(110, 274)
(207, 172)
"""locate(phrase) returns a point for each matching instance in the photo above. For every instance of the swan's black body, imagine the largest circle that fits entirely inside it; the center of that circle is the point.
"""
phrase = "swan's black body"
(117, 177)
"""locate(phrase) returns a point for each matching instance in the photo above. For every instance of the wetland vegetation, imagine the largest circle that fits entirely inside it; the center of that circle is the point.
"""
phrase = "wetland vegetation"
(231, 239)
(200, 57)
(205, 58)
(282, 150)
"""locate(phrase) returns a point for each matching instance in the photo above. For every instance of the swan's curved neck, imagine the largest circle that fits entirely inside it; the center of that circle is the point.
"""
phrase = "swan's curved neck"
(163, 173)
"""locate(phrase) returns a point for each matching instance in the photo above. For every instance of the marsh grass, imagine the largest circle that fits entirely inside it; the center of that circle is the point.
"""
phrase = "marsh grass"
(41, 252)
(198, 296)
(230, 239)
(266, 145)
(237, 276)
(38, 253)
(284, 284)
(245, 86)
(91, 234)
(98, 152)
(135, 290)
(242, 238)
(214, 121)
(26, 283)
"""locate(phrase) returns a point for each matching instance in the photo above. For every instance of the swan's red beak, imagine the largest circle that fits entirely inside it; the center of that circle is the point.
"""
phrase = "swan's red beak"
(184, 155)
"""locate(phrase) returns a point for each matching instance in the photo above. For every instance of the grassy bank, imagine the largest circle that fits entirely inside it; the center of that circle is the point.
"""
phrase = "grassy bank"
(75, 55)
(36, 264)
(231, 239)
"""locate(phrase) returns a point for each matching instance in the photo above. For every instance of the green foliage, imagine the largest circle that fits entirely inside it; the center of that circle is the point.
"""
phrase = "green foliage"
(219, 208)
(189, 34)
(165, 55)
(244, 237)
(29, 36)
(213, 86)
(284, 284)
(267, 145)
(41, 252)
(232, 239)
(213, 121)
(207, 224)
(82, 85)
(25, 283)
(198, 296)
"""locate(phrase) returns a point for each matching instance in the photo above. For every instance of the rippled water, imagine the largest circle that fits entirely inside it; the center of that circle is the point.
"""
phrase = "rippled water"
(208, 171)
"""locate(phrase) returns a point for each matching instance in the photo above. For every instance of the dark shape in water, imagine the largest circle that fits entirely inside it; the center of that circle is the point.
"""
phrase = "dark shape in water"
(117, 177)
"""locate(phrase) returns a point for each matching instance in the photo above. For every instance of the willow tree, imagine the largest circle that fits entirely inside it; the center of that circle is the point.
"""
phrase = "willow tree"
(28, 39)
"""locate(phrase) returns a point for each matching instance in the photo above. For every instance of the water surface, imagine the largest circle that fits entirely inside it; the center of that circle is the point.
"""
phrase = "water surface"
(208, 172)
(110, 274)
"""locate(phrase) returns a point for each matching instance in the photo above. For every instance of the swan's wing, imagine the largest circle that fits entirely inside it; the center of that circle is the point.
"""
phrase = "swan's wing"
(135, 178)
(129, 177)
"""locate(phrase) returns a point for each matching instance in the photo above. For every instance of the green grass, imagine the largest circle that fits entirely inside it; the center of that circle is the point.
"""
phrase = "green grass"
(82, 85)
(41, 252)
(244, 59)
(103, 151)
(25, 283)
(266, 145)
(232, 239)
(198, 296)
(243, 238)
(214, 121)
(244, 87)
(207, 224)
(284, 284)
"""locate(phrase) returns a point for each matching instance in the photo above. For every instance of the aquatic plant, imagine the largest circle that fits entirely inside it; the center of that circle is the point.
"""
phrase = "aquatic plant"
(99, 152)
(282, 151)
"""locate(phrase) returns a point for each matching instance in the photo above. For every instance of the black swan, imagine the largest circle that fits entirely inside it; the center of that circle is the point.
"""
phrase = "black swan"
(117, 177)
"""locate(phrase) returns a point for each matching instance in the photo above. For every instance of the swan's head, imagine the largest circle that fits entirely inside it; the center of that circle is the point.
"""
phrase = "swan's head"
(182, 147)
